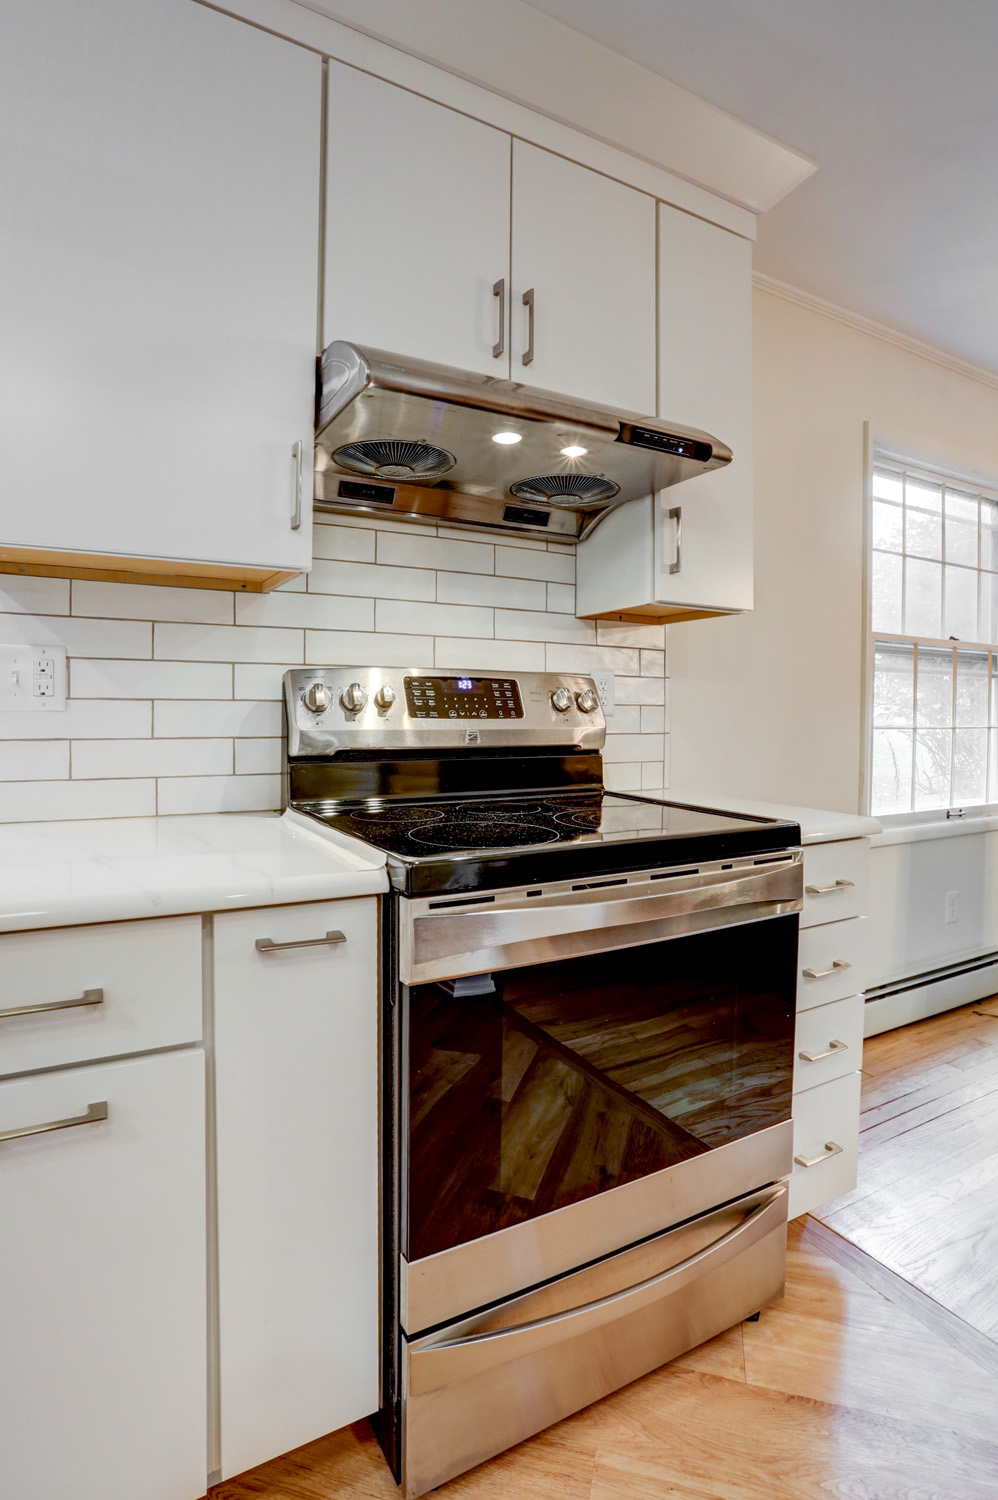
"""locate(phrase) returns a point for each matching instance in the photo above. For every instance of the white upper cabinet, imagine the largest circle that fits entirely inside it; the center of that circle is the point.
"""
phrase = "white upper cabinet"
(688, 550)
(584, 256)
(159, 170)
(417, 226)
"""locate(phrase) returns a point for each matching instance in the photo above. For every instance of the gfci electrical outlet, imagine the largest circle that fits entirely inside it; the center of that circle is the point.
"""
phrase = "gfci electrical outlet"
(32, 679)
(951, 907)
(604, 687)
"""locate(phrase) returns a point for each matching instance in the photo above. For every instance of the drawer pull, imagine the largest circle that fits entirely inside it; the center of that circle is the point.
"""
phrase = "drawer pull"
(831, 1149)
(833, 1047)
(837, 965)
(267, 945)
(827, 890)
(94, 1112)
(89, 997)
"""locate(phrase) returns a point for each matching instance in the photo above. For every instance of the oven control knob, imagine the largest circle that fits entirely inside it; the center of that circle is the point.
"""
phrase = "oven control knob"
(561, 699)
(385, 696)
(353, 698)
(587, 700)
(317, 698)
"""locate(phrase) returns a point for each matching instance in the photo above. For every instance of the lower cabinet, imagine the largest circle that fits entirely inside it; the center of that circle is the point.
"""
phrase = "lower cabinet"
(102, 1266)
(296, 1045)
(826, 1142)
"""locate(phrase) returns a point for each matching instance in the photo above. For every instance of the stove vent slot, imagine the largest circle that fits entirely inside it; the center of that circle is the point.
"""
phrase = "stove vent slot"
(597, 885)
(468, 901)
(774, 859)
(672, 874)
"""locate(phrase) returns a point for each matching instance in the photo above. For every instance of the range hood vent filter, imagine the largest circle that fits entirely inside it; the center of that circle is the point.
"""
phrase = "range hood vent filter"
(388, 458)
(573, 491)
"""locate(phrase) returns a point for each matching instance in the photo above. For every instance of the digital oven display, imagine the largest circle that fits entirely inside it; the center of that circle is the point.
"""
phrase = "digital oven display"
(463, 698)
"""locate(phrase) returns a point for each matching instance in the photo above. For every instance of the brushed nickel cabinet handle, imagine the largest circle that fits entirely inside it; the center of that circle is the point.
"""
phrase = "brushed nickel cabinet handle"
(833, 1047)
(499, 290)
(676, 514)
(831, 1149)
(838, 964)
(826, 890)
(297, 452)
(528, 302)
(94, 1112)
(89, 997)
(267, 945)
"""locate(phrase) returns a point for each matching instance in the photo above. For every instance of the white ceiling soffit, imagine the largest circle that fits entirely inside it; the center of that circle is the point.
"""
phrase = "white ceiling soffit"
(517, 51)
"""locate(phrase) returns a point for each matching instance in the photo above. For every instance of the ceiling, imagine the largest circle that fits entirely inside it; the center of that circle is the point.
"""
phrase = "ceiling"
(897, 100)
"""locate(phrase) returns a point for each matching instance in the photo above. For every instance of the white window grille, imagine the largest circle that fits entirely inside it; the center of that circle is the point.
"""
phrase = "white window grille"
(934, 619)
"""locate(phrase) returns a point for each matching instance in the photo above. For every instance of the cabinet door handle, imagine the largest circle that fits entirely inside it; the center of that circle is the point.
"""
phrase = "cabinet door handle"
(499, 290)
(838, 964)
(826, 890)
(94, 1112)
(267, 945)
(676, 514)
(89, 997)
(528, 302)
(833, 1047)
(297, 451)
(831, 1149)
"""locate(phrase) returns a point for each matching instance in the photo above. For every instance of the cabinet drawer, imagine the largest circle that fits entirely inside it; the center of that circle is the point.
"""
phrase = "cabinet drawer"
(130, 987)
(825, 1117)
(102, 1256)
(830, 962)
(834, 881)
(832, 1035)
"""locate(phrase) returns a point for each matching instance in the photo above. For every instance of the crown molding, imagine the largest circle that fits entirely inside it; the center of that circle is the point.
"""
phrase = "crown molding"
(876, 330)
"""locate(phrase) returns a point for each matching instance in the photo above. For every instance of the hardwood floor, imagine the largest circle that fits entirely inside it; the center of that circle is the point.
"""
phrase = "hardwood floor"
(876, 1377)
(926, 1203)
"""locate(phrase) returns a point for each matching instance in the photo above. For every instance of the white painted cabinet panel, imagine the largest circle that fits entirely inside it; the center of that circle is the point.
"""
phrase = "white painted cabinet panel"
(584, 245)
(417, 225)
(296, 1056)
(159, 170)
(835, 881)
(113, 988)
(102, 1284)
(826, 1143)
(831, 962)
(644, 562)
(828, 1042)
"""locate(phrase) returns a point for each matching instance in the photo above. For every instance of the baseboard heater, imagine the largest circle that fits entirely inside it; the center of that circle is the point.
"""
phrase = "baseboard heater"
(912, 997)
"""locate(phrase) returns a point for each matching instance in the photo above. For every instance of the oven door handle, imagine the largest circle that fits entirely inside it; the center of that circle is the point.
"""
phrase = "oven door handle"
(449, 1356)
(445, 944)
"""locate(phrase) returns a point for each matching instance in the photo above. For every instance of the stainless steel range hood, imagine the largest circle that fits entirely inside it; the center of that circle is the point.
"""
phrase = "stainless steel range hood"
(426, 442)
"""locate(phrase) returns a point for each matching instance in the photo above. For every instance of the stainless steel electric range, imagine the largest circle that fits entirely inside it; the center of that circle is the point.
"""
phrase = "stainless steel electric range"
(588, 1017)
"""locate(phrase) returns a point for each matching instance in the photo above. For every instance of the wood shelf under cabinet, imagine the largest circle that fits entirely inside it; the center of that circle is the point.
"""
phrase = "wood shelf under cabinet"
(40, 562)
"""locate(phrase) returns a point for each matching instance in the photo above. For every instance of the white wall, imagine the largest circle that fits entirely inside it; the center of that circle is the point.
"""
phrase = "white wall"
(174, 694)
(769, 704)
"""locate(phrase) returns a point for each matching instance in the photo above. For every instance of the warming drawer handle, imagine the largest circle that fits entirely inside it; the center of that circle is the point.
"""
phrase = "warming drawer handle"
(89, 997)
(466, 1349)
(830, 1051)
(827, 890)
(94, 1112)
(267, 945)
(831, 1149)
(838, 964)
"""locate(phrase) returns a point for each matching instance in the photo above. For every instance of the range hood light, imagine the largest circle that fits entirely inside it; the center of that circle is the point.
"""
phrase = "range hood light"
(507, 437)
(574, 451)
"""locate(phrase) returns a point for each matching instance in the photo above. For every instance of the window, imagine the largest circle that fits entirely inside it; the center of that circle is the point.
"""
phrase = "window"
(934, 620)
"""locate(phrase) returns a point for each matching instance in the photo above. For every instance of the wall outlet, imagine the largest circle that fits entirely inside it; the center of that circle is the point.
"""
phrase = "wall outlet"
(604, 687)
(951, 906)
(32, 679)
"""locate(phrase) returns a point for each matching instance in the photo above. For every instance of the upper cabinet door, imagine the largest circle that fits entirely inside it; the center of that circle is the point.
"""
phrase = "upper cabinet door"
(160, 176)
(584, 257)
(705, 380)
(417, 227)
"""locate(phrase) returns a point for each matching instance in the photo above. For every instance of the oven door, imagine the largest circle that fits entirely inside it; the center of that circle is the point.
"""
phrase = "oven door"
(585, 1069)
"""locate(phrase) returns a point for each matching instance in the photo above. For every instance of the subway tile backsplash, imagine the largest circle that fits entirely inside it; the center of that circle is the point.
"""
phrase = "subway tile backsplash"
(174, 694)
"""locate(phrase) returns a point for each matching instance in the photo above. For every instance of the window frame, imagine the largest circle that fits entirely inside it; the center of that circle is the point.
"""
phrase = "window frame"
(880, 451)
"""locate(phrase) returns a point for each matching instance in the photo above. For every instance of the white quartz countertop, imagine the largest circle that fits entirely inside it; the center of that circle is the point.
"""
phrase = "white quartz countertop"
(66, 874)
(817, 826)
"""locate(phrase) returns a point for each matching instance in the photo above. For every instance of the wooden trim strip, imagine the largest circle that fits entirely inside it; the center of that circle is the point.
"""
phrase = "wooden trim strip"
(36, 562)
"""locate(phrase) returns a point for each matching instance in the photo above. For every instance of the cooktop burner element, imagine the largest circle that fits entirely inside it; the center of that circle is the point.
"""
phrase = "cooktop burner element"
(475, 781)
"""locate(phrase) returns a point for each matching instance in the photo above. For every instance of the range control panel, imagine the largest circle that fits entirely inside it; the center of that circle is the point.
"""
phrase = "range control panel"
(463, 698)
(330, 710)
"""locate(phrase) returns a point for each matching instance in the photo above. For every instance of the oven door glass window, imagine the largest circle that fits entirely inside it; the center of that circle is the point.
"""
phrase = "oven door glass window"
(529, 1089)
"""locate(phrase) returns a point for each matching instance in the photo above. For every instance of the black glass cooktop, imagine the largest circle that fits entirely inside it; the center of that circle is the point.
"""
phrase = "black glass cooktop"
(473, 844)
